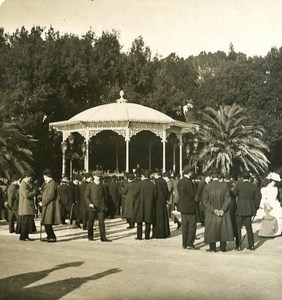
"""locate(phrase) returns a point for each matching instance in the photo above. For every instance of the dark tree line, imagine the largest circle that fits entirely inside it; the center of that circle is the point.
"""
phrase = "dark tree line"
(46, 76)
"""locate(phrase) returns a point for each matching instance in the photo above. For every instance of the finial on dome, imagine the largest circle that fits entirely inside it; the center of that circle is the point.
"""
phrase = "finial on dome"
(121, 99)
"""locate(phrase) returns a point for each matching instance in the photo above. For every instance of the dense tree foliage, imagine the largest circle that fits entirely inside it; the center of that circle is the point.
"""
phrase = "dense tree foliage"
(15, 155)
(46, 76)
(231, 141)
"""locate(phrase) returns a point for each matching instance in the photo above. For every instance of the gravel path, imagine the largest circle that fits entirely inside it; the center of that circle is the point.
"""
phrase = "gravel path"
(74, 268)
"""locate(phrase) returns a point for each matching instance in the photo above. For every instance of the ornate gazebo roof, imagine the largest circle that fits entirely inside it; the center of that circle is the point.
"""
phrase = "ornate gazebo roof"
(121, 111)
(125, 119)
(121, 115)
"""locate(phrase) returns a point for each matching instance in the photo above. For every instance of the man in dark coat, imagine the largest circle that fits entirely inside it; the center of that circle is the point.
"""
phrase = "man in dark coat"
(131, 193)
(218, 225)
(64, 198)
(83, 209)
(74, 198)
(51, 212)
(199, 196)
(187, 207)
(13, 202)
(233, 207)
(144, 209)
(248, 201)
(96, 202)
(114, 196)
(161, 227)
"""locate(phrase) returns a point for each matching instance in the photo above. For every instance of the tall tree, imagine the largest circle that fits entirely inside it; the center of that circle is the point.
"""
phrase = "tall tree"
(231, 140)
(15, 154)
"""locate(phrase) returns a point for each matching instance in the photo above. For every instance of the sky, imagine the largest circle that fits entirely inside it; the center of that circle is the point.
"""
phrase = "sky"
(185, 27)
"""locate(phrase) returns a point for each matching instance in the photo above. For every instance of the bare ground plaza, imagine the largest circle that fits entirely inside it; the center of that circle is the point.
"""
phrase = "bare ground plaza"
(74, 268)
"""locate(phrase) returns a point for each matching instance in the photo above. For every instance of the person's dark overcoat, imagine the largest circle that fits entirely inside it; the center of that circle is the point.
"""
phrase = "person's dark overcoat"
(51, 213)
(74, 198)
(13, 196)
(187, 192)
(144, 209)
(82, 204)
(63, 195)
(113, 197)
(96, 194)
(217, 197)
(161, 228)
(248, 199)
(131, 193)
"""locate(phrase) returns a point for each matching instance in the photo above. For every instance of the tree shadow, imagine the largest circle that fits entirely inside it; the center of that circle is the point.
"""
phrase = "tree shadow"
(16, 287)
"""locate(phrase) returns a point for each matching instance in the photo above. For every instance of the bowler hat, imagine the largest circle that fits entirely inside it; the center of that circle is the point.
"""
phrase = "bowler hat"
(47, 172)
(158, 171)
(166, 174)
(29, 173)
(87, 175)
(146, 173)
(246, 174)
(187, 169)
(130, 176)
(65, 179)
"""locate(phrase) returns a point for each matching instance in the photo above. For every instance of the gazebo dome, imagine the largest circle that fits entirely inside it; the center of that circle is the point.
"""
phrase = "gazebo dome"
(124, 112)
(125, 119)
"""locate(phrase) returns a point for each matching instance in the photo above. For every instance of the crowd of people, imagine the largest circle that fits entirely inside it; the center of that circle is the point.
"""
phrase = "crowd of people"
(148, 200)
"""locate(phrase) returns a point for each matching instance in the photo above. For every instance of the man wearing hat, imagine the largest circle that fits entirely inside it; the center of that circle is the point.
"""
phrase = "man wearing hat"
(218, 226)
(26, 206)
(51, 214)
(13, 202)
(144, 208)
(96, 202)
(199, 196)
(74, 198)
(64, 198)
(161, 227)
(187, 207)
(248, 201)
(83, 212)
(131, 193)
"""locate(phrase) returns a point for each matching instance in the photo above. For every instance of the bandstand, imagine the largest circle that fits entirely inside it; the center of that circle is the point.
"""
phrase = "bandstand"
(127, 120)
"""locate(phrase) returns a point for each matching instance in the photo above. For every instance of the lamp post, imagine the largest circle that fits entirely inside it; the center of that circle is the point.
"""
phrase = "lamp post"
(64, 147)
(71, 141)
(192, 150)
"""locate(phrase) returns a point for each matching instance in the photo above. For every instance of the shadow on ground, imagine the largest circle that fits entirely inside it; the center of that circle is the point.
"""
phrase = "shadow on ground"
(16, 287)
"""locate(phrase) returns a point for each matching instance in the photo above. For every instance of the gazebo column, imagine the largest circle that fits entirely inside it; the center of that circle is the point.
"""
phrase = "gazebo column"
(64, 147)
(86, 157)
(180, 154)
(127, 139)
(173, 158)
(164, 150)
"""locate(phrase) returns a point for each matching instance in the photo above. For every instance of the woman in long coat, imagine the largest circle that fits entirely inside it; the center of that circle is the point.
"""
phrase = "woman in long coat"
(50, 206)
(25, 222)
(218, 225)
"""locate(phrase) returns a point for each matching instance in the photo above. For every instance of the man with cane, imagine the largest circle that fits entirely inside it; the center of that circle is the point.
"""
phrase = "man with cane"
(51, 214)
(248, 201)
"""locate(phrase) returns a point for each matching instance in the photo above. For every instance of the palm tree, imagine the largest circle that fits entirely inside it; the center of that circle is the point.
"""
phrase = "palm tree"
(231, 141)
(15, 155)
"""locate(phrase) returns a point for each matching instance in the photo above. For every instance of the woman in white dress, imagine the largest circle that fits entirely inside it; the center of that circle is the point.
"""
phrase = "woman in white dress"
(270, 211)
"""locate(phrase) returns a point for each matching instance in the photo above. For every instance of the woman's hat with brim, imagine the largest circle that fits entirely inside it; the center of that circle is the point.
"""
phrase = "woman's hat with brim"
(273, 176)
